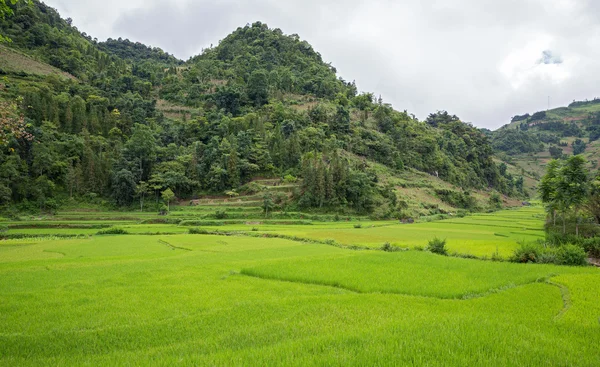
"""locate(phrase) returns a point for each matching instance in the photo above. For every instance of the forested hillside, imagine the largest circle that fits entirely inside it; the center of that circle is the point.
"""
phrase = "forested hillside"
(530, 141)
(124, 120)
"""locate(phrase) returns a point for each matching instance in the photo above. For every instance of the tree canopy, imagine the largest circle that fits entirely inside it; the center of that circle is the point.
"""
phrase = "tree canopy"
(132, 120)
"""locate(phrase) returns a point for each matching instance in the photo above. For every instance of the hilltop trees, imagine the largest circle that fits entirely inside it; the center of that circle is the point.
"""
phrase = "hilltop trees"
(130, 120)
(5, 11)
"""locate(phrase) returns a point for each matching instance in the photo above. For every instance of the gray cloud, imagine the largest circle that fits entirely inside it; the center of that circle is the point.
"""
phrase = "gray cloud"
(483, 60)
(549, 58)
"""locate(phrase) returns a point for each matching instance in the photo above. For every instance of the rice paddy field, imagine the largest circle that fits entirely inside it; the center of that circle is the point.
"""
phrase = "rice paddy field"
(297, 292)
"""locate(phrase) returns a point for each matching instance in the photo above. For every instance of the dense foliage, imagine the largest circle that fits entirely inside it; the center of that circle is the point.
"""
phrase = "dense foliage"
(135, 121)
(565, 188)
(516, 141)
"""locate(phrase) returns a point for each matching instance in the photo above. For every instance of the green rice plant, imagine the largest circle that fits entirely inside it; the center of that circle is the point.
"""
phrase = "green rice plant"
(210, 223)
(171, 299)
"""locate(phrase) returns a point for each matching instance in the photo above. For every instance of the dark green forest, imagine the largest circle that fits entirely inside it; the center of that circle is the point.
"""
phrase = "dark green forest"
(133, 120)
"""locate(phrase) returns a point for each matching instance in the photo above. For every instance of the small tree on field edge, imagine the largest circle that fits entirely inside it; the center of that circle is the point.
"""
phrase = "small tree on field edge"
(167, 196)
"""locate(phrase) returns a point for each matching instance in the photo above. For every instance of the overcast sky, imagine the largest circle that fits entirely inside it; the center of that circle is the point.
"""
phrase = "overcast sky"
(483, 60)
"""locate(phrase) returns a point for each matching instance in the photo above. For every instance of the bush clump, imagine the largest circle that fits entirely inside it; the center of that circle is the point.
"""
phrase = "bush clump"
(571, 255)
(112, 231)
(388, 247)
(197, 231)
(590, 245)
(358, 226)
(568, 254)
(437, 246)
(527, 252)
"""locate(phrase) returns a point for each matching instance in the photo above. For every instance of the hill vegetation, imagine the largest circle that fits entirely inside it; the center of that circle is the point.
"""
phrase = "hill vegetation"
(122, 120)
(530, 141)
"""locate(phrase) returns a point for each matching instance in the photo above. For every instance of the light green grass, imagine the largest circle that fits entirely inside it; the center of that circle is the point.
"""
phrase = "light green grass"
(412, 273)
(479, 235)
(181, 300)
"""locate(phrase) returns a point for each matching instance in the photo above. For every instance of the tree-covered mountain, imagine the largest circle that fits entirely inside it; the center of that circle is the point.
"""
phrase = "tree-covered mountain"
(134, 119)
(530, 141)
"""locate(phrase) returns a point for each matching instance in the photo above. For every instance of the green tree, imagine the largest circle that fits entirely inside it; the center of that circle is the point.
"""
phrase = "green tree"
(6, 11)
(12, 124)
(167, 196)
(548, 188)
(555, 152)
(593, 202)
(268, 204)
(142, 189)
(579, 146)
(573, 186)
(123, 187)
(258, 88)
(141, 147)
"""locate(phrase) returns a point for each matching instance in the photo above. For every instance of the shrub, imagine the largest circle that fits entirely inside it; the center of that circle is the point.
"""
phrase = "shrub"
(254, 229)
(495, 201)
(289, 179)
(547, 256)
(358, 225)
(197, 231)
(461, 200)
(3, 228)
(220, 214)
(112, 231)
(591, 245)
(162, 221)
(388, 247)
(461, 213)
(438, 246)
(527, 252)
(496, 256)
(571, 255)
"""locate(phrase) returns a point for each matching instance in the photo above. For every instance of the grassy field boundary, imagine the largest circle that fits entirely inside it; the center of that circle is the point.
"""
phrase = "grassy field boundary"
(162, 242)
(566, 298)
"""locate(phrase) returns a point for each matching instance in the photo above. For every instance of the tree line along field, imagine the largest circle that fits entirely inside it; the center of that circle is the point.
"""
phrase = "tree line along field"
(162, 296)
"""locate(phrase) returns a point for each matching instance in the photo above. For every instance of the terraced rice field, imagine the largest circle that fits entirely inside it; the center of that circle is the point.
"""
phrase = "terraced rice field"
(183, 299)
